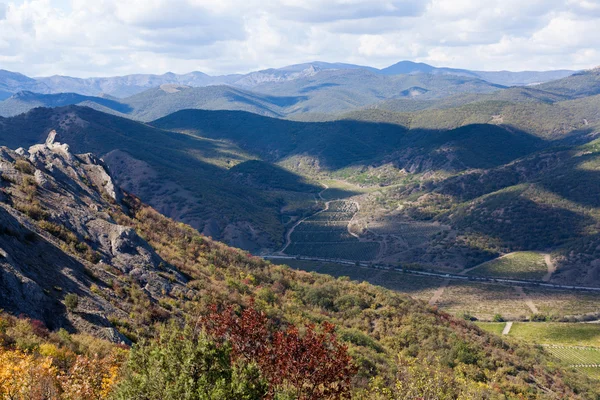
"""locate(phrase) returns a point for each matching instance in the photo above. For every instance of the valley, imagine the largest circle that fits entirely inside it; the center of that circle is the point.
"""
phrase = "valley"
(299, 200)
(432, 197)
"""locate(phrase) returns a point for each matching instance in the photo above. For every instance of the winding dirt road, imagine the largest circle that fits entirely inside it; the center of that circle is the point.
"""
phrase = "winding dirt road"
(288, 235)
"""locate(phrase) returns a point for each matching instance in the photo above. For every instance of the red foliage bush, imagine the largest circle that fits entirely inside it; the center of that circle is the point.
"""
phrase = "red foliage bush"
(313, 365)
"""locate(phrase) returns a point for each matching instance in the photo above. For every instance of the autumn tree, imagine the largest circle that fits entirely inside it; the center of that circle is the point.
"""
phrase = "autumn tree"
(309, 365)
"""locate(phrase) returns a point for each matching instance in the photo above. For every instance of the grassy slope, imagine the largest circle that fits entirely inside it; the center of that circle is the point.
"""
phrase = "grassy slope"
(520, 265)
(397, 323)
(377, 324)
(547, 119)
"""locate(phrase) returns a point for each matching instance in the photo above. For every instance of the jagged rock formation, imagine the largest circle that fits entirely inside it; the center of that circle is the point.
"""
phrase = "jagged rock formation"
(57, 236)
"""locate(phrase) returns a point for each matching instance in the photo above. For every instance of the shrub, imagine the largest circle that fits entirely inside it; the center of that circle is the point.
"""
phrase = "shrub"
(71, 301)
(24, 167)
(467, 316)
(539, 318)
(32, 209)
(498, 318)
(187, 365)
(311, 365)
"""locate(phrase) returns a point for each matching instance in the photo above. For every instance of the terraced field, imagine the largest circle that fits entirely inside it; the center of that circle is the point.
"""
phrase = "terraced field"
(326, 235)
(555, 333)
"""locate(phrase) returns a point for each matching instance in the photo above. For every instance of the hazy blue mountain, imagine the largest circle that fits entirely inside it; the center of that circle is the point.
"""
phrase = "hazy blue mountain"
(12, 82)
(294, 72)
(505, 78)
(409, 67)
(335, 91)
(25, 101)
(522, 78)
(155, 103)
(4, 95)
(124, 86)
(324, 91)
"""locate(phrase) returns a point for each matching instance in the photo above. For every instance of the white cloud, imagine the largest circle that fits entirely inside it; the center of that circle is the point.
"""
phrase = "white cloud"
(109, 37)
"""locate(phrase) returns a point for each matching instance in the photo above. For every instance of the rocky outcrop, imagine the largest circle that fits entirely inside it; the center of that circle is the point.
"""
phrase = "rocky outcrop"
(58, 236)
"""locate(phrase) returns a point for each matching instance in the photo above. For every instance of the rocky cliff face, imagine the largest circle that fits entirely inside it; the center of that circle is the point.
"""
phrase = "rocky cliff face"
(58, 236)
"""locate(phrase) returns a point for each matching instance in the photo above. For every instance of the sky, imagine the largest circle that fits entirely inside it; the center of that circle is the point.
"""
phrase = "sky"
(116, 37)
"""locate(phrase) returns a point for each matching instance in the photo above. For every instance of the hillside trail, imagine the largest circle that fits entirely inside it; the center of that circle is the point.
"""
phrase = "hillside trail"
(507, 328)
(288, 235)
(526, 299)
(351, 219)
(551, 267)
(437, 295)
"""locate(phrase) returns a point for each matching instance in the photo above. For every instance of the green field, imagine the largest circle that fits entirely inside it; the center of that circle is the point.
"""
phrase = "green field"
(556, 333)
(492, 327)
(574, 355)
(520, 265)
(573, 344)
(591, 372)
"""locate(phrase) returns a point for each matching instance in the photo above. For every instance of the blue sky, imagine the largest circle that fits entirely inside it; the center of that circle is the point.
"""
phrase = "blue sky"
(117, 37)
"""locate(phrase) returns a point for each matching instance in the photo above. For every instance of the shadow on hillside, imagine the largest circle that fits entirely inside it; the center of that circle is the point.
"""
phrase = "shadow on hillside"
(309, 89)
(36, 275)
(343, 143)
(266, 176)
(575, 183)
(337, 193)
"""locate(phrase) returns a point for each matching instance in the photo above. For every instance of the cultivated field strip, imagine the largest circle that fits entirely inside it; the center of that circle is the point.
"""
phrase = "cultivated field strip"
(358, 251)
(576, 356)
(326, 235)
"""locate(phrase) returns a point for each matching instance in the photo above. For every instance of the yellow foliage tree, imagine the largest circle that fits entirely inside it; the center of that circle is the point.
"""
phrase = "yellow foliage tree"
(22, 376)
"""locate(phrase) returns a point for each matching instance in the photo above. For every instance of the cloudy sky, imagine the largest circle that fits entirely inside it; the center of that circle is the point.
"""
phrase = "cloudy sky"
(116, 37)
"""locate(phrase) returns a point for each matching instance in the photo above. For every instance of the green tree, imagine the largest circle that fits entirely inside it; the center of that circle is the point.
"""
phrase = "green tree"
(187, 365)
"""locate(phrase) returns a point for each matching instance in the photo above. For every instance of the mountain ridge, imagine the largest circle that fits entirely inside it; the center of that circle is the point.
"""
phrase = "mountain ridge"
(123, 86)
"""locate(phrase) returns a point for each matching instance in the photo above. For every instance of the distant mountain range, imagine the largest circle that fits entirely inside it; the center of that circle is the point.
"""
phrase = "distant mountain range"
(505, 78)
(124, 86)
(310, 93)
(323, 92)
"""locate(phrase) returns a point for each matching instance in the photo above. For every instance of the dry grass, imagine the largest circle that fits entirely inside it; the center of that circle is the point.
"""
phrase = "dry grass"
(483, 301)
